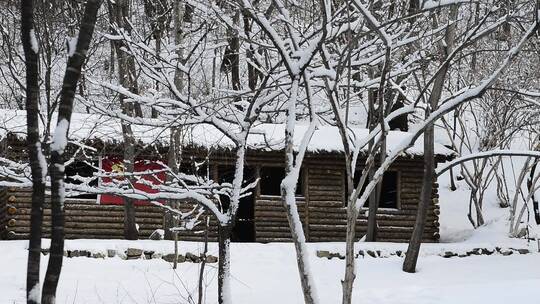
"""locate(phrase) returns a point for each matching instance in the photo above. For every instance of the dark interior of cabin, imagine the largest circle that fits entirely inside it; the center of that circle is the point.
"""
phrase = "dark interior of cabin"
(81, 169)
(388, 197)
(244, 228)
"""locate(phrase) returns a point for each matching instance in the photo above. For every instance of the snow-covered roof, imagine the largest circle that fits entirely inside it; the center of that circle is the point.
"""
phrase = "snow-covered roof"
(264, 136)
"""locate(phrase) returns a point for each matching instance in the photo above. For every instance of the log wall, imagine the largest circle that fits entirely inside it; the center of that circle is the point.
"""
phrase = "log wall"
(3, 212)
(84, 218)
(328, 215)
(321, 207)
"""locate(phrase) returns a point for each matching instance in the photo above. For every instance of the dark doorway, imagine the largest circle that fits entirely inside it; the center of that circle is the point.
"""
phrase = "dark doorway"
(389, 190)
(389, 197)
(244, 227)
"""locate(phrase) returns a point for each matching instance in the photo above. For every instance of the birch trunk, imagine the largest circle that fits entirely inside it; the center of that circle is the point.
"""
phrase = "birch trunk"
(225, 230)
(288, 196)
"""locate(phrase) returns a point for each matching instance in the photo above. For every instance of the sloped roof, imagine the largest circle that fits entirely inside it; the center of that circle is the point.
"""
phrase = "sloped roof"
(264, 136)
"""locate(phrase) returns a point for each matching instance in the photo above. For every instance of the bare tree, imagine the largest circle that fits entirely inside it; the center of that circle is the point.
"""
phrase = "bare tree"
(35, 153)
(77, 58)
(445, 48)
(119, 12)
(36, 157)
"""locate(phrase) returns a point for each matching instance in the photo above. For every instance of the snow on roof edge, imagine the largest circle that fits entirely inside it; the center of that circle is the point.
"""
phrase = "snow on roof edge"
(264, 136)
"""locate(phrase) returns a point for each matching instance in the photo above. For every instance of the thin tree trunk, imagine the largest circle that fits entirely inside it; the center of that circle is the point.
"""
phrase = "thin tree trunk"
(58, 145)
(288, 190)
(411, 258)
(253, 73)
(203, 260)
(35, 155)
(175, 147)
(372, 205)
(226, 229)
(513, 206)
(224, 265)
(231, 57)
(530, 186)
(454, 132)
(119, 14)
(371, 232)
(175, 261)
(350, 239)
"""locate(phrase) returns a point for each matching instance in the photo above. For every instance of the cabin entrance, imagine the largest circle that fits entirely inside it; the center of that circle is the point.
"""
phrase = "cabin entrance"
(244, 227)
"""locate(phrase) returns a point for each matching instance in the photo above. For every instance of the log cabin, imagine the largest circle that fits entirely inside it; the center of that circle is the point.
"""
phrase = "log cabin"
(321, 190)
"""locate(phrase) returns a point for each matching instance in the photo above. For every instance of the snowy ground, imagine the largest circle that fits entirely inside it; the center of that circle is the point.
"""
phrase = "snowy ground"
(267, 273)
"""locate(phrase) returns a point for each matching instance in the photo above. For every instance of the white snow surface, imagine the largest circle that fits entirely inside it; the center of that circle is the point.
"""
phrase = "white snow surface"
(33, 41)
(72, 45)
(267, 273)
(42, 162)
(35, 294)
(262, 137)
(60, 140)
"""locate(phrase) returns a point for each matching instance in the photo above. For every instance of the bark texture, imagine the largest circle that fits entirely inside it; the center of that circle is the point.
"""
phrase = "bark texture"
(56, 168)
(119, 15)
(411, 258)
(31, 55)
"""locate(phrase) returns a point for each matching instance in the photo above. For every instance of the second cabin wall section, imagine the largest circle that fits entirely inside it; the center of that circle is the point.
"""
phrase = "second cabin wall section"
(321, 202)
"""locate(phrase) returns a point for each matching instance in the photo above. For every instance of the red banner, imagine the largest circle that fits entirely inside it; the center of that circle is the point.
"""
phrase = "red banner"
(116, 165)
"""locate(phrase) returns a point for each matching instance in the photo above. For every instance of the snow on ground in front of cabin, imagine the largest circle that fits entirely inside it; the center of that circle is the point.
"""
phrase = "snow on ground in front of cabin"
(266, 273)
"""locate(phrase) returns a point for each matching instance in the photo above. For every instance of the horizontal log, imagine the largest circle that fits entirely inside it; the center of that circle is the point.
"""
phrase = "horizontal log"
(340, 210)
(103, 218)
(322, 212)
(314, 228)
(278, 229)
(326, 204)
(327, 193)
(325, 172)
(281, 214)
(264, 201)
(93, 213)
(316, 181)
(102, 225)
(340, 236)
(313, 188)
(142, 231)
(319, 197)
(381, 222)
(279, 222)
(261, 239)
(262, 208)
(92, 206)
(273, 234)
